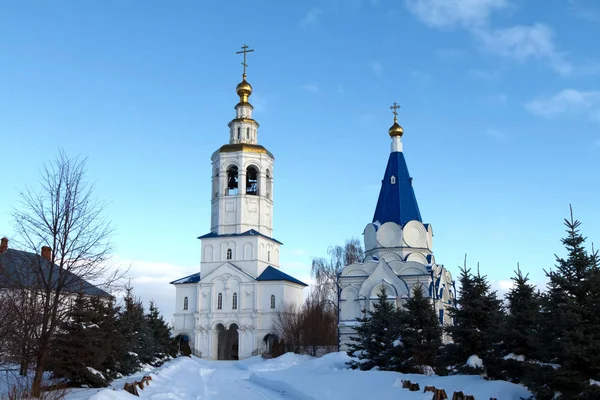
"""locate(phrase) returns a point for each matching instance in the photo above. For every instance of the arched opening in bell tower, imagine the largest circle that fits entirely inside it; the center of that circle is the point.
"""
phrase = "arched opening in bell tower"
(232, 180)
(269, 184)
(216, 183)
(252, 180)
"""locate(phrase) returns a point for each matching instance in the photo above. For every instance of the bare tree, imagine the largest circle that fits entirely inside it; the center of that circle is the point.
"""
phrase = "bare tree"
(326, 272)
(318, 327)
(310, 329)
(67, 223)
(287, 325)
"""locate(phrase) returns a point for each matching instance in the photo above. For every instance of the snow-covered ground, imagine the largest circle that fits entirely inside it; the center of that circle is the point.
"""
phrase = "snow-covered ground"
(291, 377)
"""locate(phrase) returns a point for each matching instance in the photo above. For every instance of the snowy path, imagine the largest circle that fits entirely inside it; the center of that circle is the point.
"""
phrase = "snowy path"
(290, 377)
(193, 378)
(197, 379)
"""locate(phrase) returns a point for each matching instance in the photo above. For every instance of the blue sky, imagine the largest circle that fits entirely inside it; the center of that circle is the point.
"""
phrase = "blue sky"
(500, 106)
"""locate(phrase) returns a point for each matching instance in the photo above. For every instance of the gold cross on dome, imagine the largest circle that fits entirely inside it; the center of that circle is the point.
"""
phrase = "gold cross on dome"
(244, 51)
(394, 109)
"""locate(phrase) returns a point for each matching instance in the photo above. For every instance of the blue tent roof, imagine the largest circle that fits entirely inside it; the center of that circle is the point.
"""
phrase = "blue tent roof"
(251, 232)
(274, 274)
(397, 202)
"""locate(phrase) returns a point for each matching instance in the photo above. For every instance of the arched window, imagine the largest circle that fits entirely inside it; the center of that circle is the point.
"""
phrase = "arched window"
(269, 256)
(269, 184)
(220, 302)
(239, 133)
(229, 254)
(247, 133)
(232, 180)
(185, 303)
(272, 302)
(251, 180)
(234, 305)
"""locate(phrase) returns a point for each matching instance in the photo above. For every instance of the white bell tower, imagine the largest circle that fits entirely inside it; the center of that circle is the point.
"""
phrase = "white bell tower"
(242, 179)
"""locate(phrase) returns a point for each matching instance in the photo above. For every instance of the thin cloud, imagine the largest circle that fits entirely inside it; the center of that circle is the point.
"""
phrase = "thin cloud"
(310, 87)
(523, 42)
(585, 10)
(567, 102)
(469, 14)
(450, 54)
(376, 68)
(150, 281)
(421, 77)
(484, 75)
(520, 42)
(495, 133)
(312, 17)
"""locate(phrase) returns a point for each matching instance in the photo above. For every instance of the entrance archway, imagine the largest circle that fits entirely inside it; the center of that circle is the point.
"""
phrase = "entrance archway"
(221, 341)
(233, 347)
(270, 339)
(183, 345)
(227, 342)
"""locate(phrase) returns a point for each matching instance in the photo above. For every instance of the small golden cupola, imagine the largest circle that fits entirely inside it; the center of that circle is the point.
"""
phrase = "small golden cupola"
(244, 90)
(396, 129)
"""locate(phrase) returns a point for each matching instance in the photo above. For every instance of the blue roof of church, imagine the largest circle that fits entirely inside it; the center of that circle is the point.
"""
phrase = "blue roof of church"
(275, 274)
(397, 202)
(194, 278)
(269, 274)
(251, 232)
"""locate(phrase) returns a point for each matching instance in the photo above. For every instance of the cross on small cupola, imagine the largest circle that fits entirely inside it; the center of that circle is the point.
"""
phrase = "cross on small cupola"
(244, 51)
(395, 130)
(394, 109)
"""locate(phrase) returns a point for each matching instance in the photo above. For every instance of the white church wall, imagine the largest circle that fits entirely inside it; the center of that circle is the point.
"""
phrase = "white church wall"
(184, 320)
(266, 290)
(250, 253)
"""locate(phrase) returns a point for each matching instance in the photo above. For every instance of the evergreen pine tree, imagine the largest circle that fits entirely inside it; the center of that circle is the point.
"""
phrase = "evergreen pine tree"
(477, 318)
(521, 327)
(376, 334)
(79, 348)
(570, 324)
(164, 345)
(138, 342)
(106, 314)
(421, 332)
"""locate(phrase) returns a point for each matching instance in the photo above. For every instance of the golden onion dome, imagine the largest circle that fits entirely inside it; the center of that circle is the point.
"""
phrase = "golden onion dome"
(243, 89)
(396, 129)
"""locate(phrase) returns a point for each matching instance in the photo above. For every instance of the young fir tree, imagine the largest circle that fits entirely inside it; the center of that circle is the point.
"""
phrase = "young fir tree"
(138, 342)
(80, 348)
(421, 333)
(376, 334)
(164, 346)
(521, 327)
(477, 320)
(112, 339)
(570, 325)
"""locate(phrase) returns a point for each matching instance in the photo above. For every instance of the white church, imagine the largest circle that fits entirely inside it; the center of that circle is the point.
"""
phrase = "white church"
(398, 251)
(225, 312)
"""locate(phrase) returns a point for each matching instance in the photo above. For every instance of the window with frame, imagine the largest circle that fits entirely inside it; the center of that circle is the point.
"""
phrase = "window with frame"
(248, 133)
(185, 303)
(272, 302)
(234, 305)
(239, 133)
(269, 256)
(220, 301)
(229, 254)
